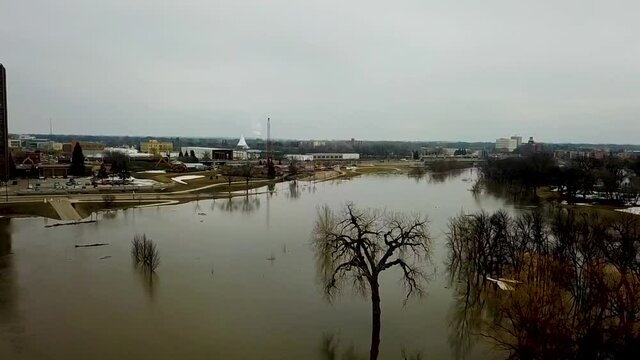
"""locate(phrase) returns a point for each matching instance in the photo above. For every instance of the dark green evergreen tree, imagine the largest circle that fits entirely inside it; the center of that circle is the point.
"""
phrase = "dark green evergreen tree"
(77, 161)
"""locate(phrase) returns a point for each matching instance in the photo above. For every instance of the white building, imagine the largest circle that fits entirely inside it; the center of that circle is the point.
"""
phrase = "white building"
(242, 144)
(299, 157)
(506, 145)
(336, 156)
(323, 156)
(130, 152)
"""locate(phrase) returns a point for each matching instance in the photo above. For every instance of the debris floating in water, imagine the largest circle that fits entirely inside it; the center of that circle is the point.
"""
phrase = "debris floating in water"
(92, 245)
(502, 283)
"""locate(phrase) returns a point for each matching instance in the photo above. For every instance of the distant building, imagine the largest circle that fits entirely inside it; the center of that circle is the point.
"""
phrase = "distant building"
(34, 143)
(49, 146)
(336, 156)
(299, 157)
(247, 154)
(531, 147)
(323, 156)
(130, 152)
(88, 148)
(506, 145)
(4, 127)
(203, 153)
(155, 147)
(242, 144)
(15, 143)
(313, 143)
(449, 151)
(518, 140)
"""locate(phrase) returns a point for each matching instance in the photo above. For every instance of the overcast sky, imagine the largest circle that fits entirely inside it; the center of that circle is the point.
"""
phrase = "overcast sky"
(558, 70)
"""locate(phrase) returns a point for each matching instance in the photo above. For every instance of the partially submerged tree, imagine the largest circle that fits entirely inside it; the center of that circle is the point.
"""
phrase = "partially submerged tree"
(228, 172)
(357, 245)
(247, 171)
(145, 252)
(574, 283)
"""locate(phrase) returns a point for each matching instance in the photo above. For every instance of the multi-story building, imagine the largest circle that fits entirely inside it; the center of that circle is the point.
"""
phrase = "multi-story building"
(155, 147)
(4, 128)
(518, 140)
(49, 146)
(506, 145)
(88, 148)
(208, 153)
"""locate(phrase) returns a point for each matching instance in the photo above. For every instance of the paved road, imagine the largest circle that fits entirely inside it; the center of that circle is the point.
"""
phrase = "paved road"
(146, 197)
(64, 209)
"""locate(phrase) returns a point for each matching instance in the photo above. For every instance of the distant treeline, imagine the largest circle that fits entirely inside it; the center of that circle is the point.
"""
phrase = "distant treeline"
(374, 149)
(613, 179)
(366, 148)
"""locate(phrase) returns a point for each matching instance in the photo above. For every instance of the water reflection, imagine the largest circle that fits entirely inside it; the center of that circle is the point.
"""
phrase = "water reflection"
(10, 322)
(244, 204)
(149, 281)
(566, 286)
(440, 177)
(5, 236)
(253, 308)
(331, 349)
(294, 190)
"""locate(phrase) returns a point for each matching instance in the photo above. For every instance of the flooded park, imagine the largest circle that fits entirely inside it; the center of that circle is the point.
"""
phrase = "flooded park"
(238, 279)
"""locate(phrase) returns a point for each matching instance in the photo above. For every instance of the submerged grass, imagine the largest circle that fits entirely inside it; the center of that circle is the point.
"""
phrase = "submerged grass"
(38, 208)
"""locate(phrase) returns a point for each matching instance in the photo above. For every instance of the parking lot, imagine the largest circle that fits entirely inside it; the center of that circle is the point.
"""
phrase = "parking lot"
(80, 184)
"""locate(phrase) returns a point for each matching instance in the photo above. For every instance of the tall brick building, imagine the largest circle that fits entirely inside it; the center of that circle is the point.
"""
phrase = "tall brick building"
(4, 129)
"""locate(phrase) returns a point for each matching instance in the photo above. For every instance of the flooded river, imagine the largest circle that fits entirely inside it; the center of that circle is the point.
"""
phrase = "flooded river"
(237, 280)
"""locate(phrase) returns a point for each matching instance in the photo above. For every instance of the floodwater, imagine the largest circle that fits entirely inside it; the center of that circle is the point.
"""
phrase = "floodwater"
(237, 280)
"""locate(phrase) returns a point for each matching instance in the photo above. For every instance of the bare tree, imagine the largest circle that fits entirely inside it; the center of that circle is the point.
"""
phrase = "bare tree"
(145, 252)
(228, 172)
(357, 245)
(248, 172)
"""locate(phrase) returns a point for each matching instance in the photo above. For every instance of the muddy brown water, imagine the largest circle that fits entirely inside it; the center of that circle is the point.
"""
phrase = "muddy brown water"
(237, 280)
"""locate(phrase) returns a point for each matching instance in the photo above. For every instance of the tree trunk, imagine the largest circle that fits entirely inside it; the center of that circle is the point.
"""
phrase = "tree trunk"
(375, 321)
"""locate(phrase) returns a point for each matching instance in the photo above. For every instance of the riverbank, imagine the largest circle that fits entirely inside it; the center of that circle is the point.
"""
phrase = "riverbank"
(201, 185)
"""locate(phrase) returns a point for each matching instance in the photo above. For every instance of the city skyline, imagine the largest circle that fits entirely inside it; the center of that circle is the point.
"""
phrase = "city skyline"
(564, 73)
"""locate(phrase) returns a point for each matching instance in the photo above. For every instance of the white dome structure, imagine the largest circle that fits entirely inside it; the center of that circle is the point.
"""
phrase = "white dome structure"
(242, 144)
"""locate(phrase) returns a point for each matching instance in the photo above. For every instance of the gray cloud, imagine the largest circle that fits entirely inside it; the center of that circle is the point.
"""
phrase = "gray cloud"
(416, 70)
